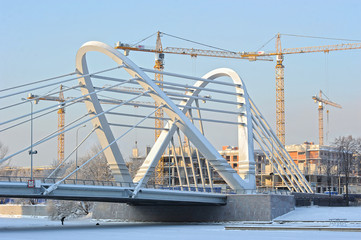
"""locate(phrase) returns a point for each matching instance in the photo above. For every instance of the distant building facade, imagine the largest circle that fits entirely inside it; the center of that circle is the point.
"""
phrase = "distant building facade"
(319, 164)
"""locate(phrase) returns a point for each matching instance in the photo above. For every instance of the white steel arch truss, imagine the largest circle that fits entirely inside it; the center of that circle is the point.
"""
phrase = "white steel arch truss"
(178, 120)
(251, 125)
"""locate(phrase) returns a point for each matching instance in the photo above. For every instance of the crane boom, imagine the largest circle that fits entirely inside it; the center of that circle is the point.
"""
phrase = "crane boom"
(325, 49)
(252, 56)
(326, 102)
(194, 52)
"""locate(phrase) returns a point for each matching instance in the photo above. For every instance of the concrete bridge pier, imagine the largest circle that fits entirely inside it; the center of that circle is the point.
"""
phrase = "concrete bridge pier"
(239, 207)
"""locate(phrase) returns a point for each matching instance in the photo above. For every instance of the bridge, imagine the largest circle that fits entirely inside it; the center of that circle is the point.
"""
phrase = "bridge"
(192, 159)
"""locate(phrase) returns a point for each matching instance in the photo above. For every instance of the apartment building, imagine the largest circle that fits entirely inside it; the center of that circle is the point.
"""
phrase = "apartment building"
(319, 164)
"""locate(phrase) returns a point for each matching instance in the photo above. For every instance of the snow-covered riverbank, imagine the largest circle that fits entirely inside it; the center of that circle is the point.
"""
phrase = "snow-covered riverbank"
(44, 229)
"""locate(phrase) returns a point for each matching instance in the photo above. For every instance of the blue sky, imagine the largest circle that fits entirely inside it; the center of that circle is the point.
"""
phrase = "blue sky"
(39, 39)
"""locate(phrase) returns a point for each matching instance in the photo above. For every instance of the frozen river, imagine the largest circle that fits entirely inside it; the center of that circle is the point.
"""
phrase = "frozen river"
(44, 229)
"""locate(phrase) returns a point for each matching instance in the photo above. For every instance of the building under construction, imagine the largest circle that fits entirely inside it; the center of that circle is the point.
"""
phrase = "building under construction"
(321, 165)
(183, 168)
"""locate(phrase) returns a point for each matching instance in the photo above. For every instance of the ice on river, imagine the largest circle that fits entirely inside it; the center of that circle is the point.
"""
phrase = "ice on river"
(44, 229)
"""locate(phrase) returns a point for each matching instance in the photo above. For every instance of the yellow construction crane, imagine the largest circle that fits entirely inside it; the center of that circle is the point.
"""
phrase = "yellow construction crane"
(280, 93)
(321, 101)
(280, 97)
(253, 56)
(159, 66)
(61, 124)
(61, 118)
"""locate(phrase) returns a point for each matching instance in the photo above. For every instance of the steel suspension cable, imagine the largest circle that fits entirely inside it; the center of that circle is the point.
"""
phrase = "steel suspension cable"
(278, 144)
(40, 81)
(265, 43)
(54, 186)
(202, 44)
(39, 142)
(143, 39)
(65, 102)
(339, 39)
(273, 167)
(69, 124)
(62, 162)
(176, 164)
(184, 160)
(39, 116)
(42, 96)
(187, 77)
(67, 80)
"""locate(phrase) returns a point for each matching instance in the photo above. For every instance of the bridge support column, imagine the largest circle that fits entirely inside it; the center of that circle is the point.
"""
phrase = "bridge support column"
(240, 207)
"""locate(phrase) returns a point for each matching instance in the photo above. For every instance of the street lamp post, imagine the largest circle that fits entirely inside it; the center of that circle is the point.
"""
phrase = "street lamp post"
(31, 152)
(76, 154)
(31, 147)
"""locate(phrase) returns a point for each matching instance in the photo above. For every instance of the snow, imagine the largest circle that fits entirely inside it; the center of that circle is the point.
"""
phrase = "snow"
(44, 229)
(316, 213)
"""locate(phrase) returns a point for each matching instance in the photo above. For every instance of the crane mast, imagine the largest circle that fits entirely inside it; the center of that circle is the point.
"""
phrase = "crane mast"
(159, 66)
(280, 93)
(61, 124)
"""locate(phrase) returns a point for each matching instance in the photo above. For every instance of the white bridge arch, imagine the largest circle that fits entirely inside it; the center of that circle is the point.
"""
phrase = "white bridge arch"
(178, 120)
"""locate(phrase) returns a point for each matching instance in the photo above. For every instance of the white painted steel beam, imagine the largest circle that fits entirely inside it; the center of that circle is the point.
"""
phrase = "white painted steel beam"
(179, 120)
(104, 133)
(111, 194)
(246, 156)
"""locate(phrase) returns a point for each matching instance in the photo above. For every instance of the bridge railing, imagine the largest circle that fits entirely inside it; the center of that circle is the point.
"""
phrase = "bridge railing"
(67, 181)
(114, 184)
(218, 190)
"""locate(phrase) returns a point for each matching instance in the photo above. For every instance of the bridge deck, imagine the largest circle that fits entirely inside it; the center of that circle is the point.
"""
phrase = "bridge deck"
(112, 194)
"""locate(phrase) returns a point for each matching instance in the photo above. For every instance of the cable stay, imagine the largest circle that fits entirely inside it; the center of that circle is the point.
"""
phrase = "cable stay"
(61, 132)
(57, 83)
(55, 185)
(36, 82)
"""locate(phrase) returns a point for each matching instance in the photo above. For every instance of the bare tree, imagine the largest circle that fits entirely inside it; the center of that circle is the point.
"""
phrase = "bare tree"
(347, 148)
(69, 209)
(97, 169)
(328, 168)
(3, 151)
(4, 171)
